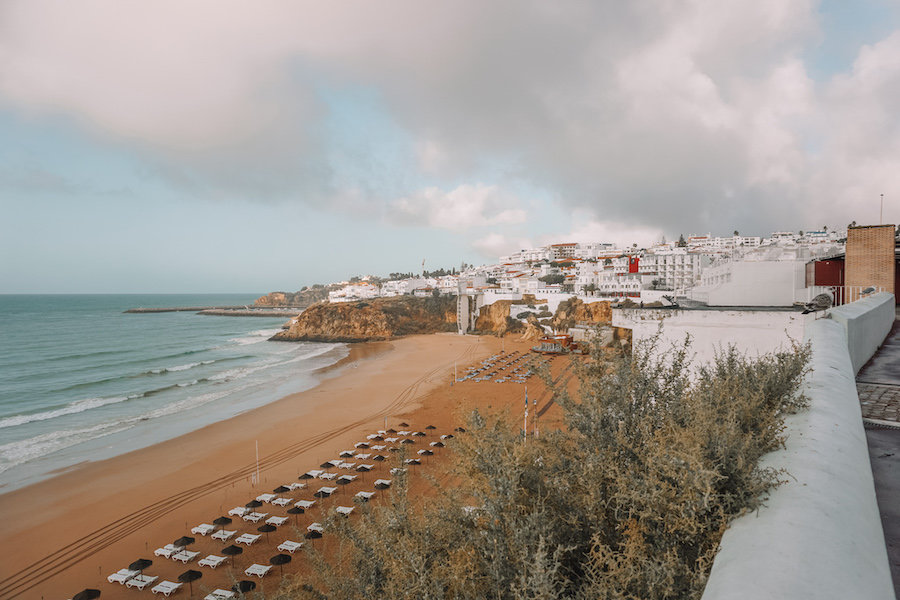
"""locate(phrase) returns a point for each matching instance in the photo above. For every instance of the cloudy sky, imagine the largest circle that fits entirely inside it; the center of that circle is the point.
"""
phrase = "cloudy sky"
(214, 146)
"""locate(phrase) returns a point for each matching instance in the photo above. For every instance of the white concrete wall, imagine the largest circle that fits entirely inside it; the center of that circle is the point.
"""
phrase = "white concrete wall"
(819, 535)
(866, 323)
(751, 332)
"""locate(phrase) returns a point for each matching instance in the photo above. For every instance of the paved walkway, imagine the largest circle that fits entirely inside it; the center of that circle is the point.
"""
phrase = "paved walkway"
(878, 384)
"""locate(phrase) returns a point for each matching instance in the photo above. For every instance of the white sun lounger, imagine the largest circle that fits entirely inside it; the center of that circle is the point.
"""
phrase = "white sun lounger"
(347, 453)
(404, 433)
(372, 436)
(390, 440)
(223, 534)
(258, 570)
(347, 478)
(295, 486)
(141, 581)
(166, 587)
(219, 595)
(326, 491)
(364, 496)
(397, 471)
(282, 501)
(362, 445)
(122, 575)
(204, 529)
(384, 482)
(328, 476)
(446, 436)
(316, 527)
(255, 517)
(346, 465)
(363, 468)
(212, 561)
(238, 511)
(362, 456)
(380, 447)
(277, 521)
(344, 510)
(168, 550)
(314, 473)
(412, 461)
(266, 497)
(247, 538)
(185, 556)
(305, 504)
(289, 546)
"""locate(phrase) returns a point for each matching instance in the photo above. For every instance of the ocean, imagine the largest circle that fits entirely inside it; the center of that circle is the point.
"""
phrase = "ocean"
(82, 381)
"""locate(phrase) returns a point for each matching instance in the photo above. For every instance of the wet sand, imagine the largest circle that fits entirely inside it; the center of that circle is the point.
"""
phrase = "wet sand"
(68, 533)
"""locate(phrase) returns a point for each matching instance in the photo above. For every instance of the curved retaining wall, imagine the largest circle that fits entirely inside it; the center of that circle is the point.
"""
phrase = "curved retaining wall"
(819, 535)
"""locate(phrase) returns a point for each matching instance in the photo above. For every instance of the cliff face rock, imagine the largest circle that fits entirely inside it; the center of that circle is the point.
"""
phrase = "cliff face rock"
(300, 299)
(574, 310)
(533, 330)
(378, 319)
(492, 317)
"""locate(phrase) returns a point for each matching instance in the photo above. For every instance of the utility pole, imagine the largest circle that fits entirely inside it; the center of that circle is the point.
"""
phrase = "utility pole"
(881, 215)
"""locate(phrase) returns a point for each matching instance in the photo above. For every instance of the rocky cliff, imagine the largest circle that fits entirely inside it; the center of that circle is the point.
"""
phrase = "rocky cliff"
(378, 319)
(494, 318)
(574, 310)
(301, 299)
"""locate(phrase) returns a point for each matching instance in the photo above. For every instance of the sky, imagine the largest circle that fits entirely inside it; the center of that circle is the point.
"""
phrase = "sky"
(183, 146)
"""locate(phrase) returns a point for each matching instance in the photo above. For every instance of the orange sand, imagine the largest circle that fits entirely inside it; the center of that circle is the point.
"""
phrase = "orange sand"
(68, 533)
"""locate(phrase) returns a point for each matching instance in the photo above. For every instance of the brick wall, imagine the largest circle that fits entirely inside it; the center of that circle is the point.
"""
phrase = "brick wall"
(870, 257)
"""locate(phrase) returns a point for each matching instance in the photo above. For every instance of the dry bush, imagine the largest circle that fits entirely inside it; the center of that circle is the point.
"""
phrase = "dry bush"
(629, 501)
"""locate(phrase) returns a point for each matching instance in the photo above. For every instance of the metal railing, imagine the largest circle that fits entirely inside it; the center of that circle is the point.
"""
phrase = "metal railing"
(842, 294)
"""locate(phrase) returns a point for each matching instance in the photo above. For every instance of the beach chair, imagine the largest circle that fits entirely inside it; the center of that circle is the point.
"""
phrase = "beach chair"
(346, 465)
(166, 588)
(266, 497)
(141, 581)
(122, 575)
(347, 453)
(255, 517)
(397, 471)
(327, 476)
(185, 556)
(223, 534)
(365, 468)
(344, 510)
(379, 447)
(295, 486)
(277, 521)
(325, 491)
(362, 456)
(347, 478)
(318, 527)
(238, 511)
(289, 546)
(382, 483)
(247, 538)
(362, 445)
(212, 561)
(312, 474)
(364, 496)
(204, 529)
(168, 550)
(282, 501)
(258, 570)
(219, 595)
(304, 504)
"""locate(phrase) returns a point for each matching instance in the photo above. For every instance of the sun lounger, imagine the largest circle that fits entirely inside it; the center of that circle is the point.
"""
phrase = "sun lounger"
(346, 465)
(185, 556)
(166, 587)
(277, 521)
(204, 529)
(364, 496)
(122, 575)
(266, 497)
(238, 511)
(255, 517)
(384, 482)
(412, 461)
(304, 504)
(347, 478)
(390, 440)
(328, 476)
(141, 581)
(247, 538)
(347, 453)
(168, 550)
(397, 471)
(219, 595)
(258, 570)
(223, 534)
(364, 468)
(316, 527)
(289, 546)
(325, 491)
(379, 447)
(344, 510)
(361, 445)
(212, 561)
(295, 486)
(313, 474)
(362, 456)
(282, 501)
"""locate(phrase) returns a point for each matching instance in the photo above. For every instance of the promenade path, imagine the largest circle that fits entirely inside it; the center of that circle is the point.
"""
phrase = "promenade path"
(878, 385)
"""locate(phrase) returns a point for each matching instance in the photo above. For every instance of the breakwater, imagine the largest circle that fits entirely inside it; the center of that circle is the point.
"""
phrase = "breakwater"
(223, 311)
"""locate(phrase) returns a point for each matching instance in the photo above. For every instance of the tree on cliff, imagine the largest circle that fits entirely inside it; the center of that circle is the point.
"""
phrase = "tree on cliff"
(629, 501)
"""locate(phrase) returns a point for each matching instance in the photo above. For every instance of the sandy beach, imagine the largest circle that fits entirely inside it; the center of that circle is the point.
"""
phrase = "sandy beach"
(68, 533)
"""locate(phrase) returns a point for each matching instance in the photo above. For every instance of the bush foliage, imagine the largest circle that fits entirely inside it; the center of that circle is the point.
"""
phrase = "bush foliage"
(630, 500)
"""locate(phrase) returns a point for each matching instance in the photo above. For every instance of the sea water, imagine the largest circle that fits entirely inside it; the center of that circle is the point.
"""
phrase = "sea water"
(81, 380)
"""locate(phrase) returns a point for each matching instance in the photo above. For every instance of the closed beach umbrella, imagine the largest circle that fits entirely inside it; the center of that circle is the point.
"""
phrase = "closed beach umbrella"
(280, 560)
(232, 551)
(88, 594)
(222, 521)
(281, 489)
(183, 541)
(189, 577)
(245, 585)
(266, 529)
(140, 564)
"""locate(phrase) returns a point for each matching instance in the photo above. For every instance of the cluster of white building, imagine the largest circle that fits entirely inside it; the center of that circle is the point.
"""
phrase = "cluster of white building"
(709, 269)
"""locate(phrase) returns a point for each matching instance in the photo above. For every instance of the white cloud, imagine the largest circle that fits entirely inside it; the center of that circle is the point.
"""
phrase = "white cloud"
(465, 207)
(494, 245)
(587, 228)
